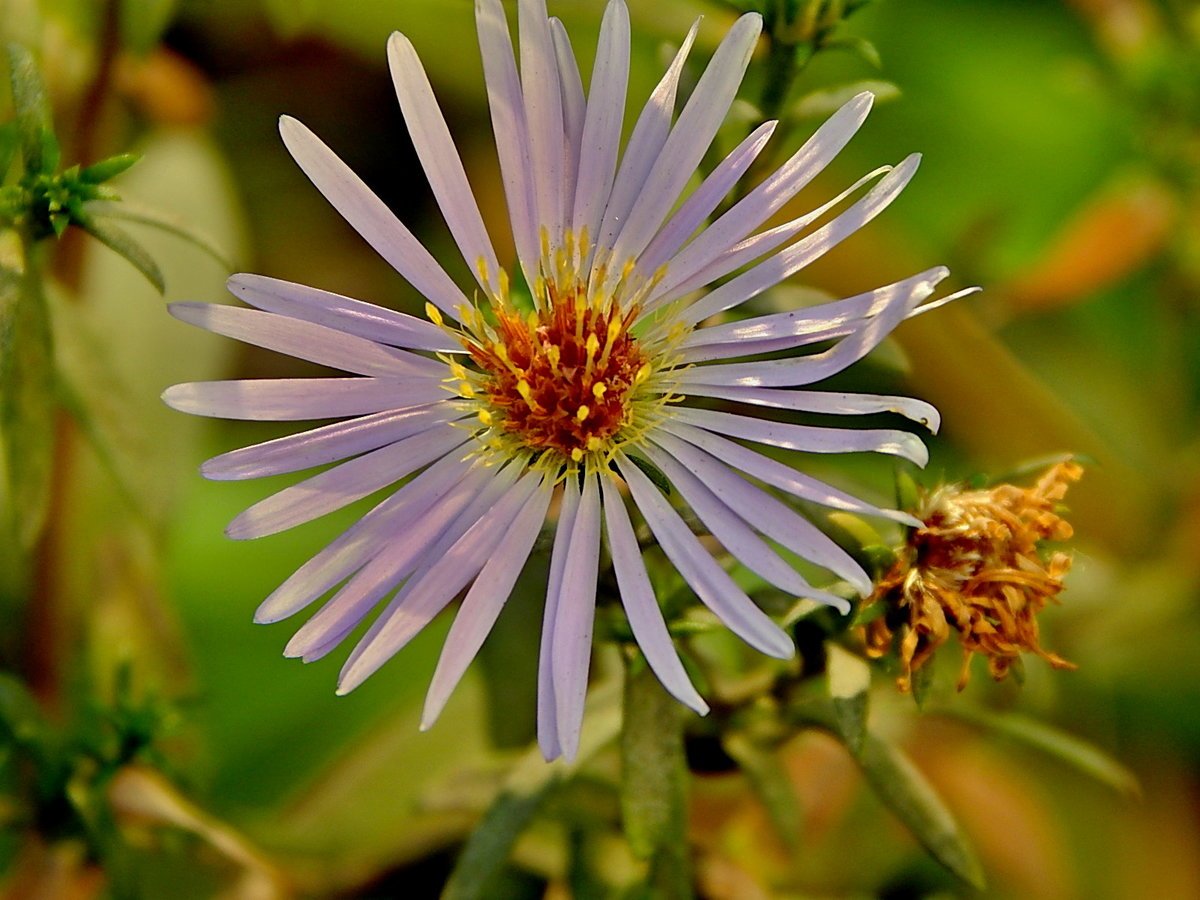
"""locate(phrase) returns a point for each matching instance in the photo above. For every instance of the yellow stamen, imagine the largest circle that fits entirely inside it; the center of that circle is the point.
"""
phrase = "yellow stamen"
(576, 454)
(485, 417)
(581, 414)
(434, 314)
(599, 389)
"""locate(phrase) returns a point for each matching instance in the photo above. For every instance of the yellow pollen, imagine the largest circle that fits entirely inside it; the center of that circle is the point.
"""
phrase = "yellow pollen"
(599, 389)
(465, 389)
(594, 443)
(434, 314)
(581, 414)
(576, 454)
(486, 418)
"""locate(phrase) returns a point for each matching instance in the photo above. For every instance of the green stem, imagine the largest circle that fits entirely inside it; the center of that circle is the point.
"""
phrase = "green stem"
(654, 783)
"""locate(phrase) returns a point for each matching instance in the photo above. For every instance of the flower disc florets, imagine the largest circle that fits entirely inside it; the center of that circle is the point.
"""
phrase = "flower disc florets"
(564, 379)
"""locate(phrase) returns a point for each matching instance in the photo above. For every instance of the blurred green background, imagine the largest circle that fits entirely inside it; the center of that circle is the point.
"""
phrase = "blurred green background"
(1061, 171)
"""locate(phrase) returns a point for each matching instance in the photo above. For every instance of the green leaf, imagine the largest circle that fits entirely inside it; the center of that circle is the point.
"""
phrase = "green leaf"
(908, 494)
(116, 239)
(109, 168)
(922, 682)
(771, 784)
(823, 103)
(39, 147)
(26, 398)
(1078, 754)
(904, 790)
(849, 680)
(10, 142)
(130, 212)
(654, 782)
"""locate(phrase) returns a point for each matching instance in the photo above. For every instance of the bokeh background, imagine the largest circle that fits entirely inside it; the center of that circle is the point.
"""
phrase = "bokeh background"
(1061, 171)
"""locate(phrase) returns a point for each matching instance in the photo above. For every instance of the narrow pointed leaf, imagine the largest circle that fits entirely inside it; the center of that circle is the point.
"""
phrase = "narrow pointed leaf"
(904, 790)
(771, 784)
(1078, 754)
(102, 171)
(140, 215)
(39, 147)
(26, 399)
(116, 239)
(849, 679)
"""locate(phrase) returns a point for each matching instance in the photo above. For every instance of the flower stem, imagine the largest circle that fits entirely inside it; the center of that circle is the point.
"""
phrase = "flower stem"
(654, 782)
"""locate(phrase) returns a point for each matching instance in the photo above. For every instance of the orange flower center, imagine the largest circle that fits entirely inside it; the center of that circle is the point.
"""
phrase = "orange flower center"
(561, 377)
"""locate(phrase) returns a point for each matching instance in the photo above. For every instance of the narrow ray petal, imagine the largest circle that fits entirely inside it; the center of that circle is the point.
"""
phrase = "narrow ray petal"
(306, 340)
(369, 216)
(790, 261)
(690, 138)
(711, 583)
(770, 471)
(547, 708)
(808, 369)
(642, 150)
(641, 606)
(777, 189)
(483, 602)
(831, 402)
(440, 160)
(573, 102)
(329, 443)
(705, 270)
(778, 331)
(605, 113)
(702, 201)
(344, 483)
(511, 131)
(544, 116)
(571, 655)
(354, 547)
(424, 597)
(808, 438)
(766, 513)
(300, 399)
(364, 320)
(735, 535)
(401, 553)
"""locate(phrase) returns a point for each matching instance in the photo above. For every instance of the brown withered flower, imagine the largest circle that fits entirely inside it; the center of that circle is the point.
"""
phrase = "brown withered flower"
(976, 568)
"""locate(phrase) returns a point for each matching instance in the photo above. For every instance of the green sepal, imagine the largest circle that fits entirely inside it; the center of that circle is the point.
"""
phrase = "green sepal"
(107, 169)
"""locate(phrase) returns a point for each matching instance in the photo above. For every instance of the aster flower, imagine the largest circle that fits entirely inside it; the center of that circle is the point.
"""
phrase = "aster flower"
(492, 408)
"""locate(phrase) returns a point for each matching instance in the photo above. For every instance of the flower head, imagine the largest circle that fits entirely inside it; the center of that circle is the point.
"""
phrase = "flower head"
(976, 566)
(497, 404)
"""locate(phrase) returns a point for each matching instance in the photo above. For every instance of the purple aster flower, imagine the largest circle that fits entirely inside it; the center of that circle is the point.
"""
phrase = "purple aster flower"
(493, 407)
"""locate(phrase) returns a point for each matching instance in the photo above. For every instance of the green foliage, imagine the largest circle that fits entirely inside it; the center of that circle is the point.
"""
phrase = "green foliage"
(27, 398)
(654, 783)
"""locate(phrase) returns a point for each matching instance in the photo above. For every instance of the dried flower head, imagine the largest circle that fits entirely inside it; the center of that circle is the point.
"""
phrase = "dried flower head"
(976, 567)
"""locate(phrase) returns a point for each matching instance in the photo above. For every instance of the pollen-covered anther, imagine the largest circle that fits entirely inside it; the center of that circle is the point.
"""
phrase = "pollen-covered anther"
(562, 377)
